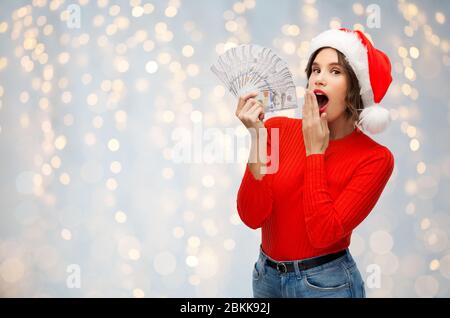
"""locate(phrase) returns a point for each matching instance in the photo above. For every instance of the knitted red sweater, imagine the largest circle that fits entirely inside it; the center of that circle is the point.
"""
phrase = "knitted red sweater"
(311, 205)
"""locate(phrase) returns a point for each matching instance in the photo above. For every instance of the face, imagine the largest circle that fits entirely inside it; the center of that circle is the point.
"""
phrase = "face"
(329, 76)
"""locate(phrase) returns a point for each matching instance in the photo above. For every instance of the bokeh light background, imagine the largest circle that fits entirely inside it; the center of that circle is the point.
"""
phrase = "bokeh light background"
(87, 122)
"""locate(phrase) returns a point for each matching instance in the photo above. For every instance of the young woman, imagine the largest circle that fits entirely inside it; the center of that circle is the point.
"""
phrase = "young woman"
(329, 174)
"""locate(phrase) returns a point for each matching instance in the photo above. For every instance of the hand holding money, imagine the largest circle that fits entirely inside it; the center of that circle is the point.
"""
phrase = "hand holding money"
(250, 111)
(252, 68)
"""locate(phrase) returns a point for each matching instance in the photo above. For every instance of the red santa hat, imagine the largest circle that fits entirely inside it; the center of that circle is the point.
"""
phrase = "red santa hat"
(372, 68)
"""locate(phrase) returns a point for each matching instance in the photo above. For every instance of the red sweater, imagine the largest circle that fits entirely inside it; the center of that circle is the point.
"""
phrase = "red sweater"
(311, 205)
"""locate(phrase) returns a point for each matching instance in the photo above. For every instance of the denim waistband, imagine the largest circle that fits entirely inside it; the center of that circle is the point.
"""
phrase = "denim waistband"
(347, 257)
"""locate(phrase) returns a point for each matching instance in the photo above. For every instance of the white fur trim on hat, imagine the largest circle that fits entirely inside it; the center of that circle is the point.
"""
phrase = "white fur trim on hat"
(349, 44)
(374, 119)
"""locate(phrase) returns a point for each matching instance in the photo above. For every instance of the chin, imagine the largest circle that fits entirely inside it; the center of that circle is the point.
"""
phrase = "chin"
(330, 118)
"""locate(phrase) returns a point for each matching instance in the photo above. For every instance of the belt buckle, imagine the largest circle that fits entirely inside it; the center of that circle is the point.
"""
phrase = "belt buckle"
(284, 267)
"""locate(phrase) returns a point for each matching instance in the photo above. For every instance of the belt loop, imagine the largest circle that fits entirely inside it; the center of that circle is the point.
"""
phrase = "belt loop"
(349, 256)
(297, 270)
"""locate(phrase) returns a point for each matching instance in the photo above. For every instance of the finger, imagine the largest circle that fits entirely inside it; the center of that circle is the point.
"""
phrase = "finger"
(309, 108)
(256, 112)
(257, 109)
(248, 105)
(243, 99)
(262, 112)
(305, 110)
(250, 111)
(314, 106)
(324, 122)
(304, 106)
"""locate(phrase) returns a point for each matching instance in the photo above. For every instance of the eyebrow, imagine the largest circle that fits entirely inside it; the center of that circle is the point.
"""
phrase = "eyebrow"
(331, 64)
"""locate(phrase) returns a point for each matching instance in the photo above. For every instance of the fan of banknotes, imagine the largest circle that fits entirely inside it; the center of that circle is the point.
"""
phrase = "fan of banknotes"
(249, 67)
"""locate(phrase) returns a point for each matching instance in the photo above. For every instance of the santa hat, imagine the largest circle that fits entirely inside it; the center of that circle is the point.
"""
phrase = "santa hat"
(372, 68)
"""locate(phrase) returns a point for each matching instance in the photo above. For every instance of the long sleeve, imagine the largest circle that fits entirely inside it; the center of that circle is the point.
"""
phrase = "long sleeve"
(254, 200)
(255, 197)
(329, 221)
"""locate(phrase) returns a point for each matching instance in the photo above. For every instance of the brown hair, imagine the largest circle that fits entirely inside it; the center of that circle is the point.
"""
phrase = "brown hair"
(353, 98)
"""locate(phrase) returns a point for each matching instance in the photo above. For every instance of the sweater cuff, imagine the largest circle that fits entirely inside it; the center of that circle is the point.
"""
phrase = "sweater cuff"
(315, 161)
(315, 171)
(251, 181)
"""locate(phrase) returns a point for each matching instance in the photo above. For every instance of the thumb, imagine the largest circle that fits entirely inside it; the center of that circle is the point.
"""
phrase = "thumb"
(323, 120)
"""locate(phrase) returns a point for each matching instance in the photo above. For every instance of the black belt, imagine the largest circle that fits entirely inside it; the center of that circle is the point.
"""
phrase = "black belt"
(285, 267)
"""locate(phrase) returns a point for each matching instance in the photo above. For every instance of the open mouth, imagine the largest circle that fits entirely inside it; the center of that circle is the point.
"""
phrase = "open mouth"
(322, 99)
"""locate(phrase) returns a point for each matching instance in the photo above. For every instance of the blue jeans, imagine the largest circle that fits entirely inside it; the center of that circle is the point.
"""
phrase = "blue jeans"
(339, 278)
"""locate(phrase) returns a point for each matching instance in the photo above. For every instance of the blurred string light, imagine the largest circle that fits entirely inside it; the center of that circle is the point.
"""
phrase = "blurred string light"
(97, 163)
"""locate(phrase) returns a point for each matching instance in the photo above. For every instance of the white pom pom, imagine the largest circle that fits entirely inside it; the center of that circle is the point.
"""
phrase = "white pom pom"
(374, 119)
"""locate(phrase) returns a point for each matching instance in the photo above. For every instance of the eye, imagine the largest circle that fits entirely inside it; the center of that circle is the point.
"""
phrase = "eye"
(335, 71)
(315, 69)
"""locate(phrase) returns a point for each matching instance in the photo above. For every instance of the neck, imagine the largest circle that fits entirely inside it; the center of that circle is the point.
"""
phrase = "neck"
(340, 128)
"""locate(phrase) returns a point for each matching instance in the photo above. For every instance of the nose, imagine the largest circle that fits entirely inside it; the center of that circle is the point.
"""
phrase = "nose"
(320, 81)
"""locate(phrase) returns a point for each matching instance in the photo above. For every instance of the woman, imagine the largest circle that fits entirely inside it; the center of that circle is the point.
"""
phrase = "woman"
(328, 176)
